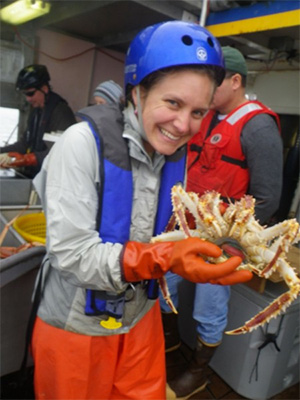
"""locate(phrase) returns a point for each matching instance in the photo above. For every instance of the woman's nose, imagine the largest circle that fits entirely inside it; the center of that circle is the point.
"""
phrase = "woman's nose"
(182, 122)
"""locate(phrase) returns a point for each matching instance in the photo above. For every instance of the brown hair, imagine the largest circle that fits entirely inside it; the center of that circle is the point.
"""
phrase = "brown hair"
(153, 79)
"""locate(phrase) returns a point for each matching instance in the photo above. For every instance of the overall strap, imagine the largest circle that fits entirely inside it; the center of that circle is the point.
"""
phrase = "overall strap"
(115, 192)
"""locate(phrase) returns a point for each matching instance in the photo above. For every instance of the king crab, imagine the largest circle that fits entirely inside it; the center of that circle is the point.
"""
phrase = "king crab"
(5, 251)
(263, 250)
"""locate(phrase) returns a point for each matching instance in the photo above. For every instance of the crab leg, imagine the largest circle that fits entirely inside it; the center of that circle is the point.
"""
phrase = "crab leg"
(291, 227)
(168, 237)
(179, 217)
(180, 201)
(209, 211)
(263, 255)
(278, 306)
(265, 248)
(9, 224)
(245, 210)
(166, 294)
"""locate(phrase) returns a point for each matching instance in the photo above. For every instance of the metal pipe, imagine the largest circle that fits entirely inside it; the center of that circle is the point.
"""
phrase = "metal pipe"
(203, 13)
(10, 135)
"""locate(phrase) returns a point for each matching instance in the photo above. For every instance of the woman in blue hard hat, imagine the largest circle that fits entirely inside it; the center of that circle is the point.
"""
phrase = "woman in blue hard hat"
(106, 192)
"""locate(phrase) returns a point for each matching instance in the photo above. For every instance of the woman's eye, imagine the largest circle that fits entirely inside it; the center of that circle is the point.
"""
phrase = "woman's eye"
(172, 102)
(199, 113)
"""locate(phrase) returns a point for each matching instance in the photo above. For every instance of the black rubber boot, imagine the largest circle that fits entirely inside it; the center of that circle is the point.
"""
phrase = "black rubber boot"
(172, 338)
(194, 378)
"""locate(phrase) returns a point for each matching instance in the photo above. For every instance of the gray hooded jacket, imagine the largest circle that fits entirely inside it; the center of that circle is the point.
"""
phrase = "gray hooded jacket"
(79, 259)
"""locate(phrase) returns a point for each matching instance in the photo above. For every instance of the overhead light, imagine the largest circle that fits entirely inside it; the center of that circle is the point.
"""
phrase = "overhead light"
(24, 10)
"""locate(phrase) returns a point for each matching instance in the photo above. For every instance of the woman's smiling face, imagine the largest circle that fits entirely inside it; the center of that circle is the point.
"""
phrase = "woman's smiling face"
(173, 109)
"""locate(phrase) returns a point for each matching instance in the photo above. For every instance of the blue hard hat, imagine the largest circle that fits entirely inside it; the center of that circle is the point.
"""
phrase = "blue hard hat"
(170, 44)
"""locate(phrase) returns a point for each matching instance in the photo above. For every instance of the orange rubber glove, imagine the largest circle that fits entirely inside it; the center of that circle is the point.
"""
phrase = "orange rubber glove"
(142, 261)
(22, 160)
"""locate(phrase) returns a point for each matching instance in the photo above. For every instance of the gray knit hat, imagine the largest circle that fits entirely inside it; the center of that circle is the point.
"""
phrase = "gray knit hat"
(234, 60)
(110, 91)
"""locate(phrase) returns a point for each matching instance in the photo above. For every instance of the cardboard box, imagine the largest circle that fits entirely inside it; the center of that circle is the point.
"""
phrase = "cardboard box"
(294, 258)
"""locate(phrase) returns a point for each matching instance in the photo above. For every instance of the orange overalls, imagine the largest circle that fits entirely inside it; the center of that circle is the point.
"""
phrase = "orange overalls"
(74, 366)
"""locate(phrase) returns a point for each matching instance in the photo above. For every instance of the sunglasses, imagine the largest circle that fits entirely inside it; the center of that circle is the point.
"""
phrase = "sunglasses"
(29, 94)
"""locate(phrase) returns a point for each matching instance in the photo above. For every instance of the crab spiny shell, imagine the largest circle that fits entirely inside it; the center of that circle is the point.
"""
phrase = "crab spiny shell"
(265, 247)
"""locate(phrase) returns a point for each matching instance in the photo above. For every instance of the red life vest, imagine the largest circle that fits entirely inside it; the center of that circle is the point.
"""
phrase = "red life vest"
(217, 162)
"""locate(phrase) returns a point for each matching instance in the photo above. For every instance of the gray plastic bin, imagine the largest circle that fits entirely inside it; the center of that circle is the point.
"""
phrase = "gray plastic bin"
(254, 374)
(14, 191)
(17, 277)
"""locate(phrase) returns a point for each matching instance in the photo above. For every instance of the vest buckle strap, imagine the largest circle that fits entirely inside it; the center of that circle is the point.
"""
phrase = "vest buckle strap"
(104, 303)
(235, 161)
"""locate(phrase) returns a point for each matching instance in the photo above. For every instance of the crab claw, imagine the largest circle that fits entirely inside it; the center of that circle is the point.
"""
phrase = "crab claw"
(272, 311)
(166, 294)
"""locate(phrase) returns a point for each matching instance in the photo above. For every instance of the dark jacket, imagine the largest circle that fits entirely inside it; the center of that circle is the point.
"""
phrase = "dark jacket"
(55, 116)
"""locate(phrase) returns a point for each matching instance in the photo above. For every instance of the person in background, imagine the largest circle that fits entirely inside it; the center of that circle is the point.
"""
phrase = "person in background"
(108, 92)
(238, 150)
(105, 190)
(50, 113)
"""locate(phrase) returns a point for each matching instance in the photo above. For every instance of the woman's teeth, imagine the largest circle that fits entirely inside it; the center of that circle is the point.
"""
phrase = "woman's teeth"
(168, 134)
